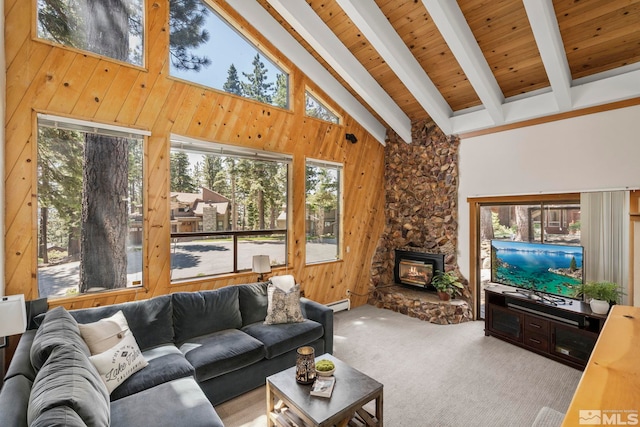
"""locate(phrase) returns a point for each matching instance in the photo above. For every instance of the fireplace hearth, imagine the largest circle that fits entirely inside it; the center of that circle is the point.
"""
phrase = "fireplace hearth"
(416, 269)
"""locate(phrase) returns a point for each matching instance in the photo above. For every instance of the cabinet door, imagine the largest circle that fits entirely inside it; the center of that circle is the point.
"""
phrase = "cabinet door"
(504, 322)
(572, 343)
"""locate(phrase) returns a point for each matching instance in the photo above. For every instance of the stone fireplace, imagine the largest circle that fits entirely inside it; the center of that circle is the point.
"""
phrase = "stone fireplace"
(421, 202)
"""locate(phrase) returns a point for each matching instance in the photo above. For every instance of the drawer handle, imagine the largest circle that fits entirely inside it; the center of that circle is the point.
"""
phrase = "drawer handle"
(535, 341)
(535, 325)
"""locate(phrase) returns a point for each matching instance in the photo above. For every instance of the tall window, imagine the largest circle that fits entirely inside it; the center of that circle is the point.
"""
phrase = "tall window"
(113, 28)
(227, 204)
(317, 109)
(323, 216)
(206, 49)
(89, 207)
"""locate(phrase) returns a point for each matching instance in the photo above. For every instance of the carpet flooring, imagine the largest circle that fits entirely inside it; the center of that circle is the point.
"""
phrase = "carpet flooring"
(435, 375)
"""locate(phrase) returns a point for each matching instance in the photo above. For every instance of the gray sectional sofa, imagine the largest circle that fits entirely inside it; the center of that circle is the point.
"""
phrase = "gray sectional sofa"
(202, 348)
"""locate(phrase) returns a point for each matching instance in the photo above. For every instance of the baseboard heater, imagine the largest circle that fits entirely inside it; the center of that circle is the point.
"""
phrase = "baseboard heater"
(343, 304)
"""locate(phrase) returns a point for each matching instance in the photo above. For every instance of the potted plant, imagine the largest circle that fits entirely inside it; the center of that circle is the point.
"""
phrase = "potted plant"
(599, 294)
(447, 284)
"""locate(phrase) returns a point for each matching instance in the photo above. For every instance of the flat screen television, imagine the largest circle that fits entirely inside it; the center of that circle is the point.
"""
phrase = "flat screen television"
(549, 268)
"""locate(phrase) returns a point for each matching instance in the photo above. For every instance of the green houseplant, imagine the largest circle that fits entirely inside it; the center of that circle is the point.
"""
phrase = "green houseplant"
(447, 284)
(600, 294)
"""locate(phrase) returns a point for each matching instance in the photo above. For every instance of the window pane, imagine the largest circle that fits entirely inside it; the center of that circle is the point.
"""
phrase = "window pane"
(322, 212)
(562, 224)
(110, 28)
(315, 108)
(213, 193)
(206, 49)
(89, 212)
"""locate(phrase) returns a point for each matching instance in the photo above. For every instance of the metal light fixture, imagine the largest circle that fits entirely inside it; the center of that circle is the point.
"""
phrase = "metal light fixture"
(13, 317)
(261, 265)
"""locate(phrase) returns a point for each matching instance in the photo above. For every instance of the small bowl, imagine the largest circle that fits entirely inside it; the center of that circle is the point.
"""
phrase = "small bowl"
(326, 373)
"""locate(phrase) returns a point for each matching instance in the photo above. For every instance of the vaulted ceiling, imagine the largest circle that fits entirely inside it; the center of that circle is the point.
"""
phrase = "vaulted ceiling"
(467, 64)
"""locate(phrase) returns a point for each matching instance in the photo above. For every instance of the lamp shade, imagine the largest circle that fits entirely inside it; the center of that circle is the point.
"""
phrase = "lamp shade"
(261, 264)
(13, 315)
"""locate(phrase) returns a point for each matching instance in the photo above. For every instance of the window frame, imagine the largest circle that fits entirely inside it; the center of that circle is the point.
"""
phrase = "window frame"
(193, 145)
(318, 99)
(143, 47)
(255, 43)
(339, 167)
(105, 129)
(475, 205)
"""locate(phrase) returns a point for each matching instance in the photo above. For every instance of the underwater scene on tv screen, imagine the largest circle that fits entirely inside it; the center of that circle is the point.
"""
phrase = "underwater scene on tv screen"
(554, 269)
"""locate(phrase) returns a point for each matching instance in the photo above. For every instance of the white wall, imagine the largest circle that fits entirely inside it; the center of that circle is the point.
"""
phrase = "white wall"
(595, 152)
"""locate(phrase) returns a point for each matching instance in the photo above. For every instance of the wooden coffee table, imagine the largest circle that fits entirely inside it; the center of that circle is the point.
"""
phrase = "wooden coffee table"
(352, 391)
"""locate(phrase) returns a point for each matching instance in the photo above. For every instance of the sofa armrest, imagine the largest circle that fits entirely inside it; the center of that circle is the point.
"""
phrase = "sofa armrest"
(323, 315)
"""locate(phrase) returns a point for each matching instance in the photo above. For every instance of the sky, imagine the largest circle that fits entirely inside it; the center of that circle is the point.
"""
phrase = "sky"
(225, 47)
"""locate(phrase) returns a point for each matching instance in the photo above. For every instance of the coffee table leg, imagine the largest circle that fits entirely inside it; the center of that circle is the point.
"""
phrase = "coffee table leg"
(270, 406)
(379, 410)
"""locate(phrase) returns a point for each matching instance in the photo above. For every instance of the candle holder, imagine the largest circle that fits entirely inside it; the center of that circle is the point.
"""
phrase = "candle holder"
(306, 365)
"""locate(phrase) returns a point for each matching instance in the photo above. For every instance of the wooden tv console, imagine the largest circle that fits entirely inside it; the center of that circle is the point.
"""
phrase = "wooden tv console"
(566, 333)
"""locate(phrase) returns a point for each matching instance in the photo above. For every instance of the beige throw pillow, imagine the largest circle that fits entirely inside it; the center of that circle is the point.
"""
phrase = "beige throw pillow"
(105, 333)
(283, 307)
(118, 363)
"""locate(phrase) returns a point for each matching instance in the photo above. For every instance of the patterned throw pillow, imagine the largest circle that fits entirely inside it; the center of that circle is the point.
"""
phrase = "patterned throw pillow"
(105, 333)
(284, 307)
(119, 362)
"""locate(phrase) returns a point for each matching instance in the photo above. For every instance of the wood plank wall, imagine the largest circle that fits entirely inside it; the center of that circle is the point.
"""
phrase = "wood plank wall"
(42, 77)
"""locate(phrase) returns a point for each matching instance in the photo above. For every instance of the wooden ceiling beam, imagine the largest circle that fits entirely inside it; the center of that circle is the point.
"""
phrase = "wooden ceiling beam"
(452, 25)
(386, 41)
(546, 31)
(263, 22)
(311, 28)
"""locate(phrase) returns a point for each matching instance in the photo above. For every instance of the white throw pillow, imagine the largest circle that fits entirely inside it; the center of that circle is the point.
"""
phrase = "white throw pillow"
(105, 333)
(119, 362)
(286, 282)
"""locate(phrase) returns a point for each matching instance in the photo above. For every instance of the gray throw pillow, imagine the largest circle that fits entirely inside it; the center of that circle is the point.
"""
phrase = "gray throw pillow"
(58, 328)
(284, 307)
(68, 378)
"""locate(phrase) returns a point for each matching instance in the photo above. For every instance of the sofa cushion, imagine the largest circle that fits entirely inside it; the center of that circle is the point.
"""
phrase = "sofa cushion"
(14, 398)
(166, 363)
(59, 416)
(253, 302)
(221, 352)
(281, 338)
(105, 333)
(150, 321)
(68, 378)
(177, 403)
(284, 307)
(58, 328)
(200, 313)
(119, 362)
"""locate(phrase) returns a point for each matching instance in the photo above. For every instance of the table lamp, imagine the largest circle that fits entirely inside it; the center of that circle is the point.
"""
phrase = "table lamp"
(13, 317)
(261, 265)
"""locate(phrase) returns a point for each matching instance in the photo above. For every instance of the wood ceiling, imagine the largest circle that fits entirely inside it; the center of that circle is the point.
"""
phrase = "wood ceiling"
(466, 64)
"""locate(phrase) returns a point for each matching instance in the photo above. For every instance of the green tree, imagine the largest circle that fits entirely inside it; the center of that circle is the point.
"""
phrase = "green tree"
(232, 85)
(181, 179)
(257, 86)
(281, 95)
(59, 188)
(573, 265)
(323, 196)
(186, 19)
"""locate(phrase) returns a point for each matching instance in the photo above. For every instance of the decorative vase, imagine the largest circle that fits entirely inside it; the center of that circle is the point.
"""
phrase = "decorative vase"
(599, 306)
(444, 296)
(306, 365)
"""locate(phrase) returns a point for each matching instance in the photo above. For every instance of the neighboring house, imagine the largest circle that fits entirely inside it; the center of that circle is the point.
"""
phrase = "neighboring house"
(204, 211)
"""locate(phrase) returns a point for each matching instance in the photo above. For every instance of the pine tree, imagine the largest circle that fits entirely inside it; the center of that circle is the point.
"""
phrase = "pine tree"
(186, 19)
(257, 86)
(181, 179)
(232, 85)
(281, 96)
